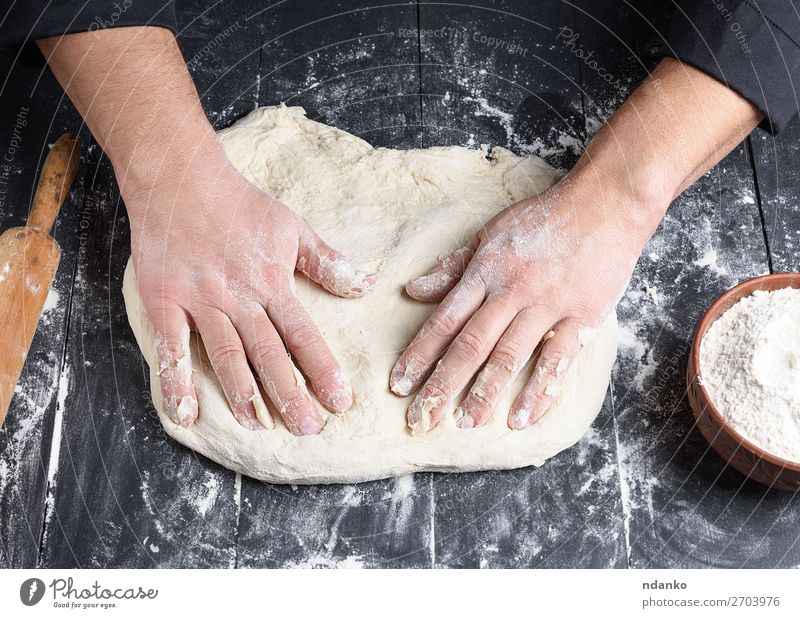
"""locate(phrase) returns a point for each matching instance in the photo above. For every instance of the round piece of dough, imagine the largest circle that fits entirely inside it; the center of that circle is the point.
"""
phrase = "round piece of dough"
(393, 212)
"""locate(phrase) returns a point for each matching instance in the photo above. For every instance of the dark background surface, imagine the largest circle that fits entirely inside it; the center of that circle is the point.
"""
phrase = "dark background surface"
(89, 479)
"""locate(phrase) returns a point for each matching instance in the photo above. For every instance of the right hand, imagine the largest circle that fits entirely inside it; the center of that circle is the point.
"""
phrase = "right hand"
(217, 256)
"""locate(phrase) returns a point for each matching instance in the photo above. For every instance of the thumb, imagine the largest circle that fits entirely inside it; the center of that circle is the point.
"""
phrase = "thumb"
(437, 283)
(321, 263)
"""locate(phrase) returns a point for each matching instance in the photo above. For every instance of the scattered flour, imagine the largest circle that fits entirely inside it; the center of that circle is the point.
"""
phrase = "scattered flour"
(51, 302)
(709, 258)
(750, 365)
(321, 562)
(207, 497)
(652, 294)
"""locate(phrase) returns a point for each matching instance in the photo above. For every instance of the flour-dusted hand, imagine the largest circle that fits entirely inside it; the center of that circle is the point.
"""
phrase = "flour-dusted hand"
(547, 270)
(537, 275)
(219, 258)
(212, 252)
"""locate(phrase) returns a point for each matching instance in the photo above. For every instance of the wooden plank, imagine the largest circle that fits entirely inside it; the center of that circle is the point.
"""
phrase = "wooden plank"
(221, 46)
(346, 65)
(34, 119)
(615, 45)
(778, 179)
(493, 74)
(778, 183)
(562, 515)
(127, 495)
(682, 506)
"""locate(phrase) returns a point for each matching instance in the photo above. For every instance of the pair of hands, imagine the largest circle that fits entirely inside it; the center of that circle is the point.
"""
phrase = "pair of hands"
(536, 274)
(217, 255)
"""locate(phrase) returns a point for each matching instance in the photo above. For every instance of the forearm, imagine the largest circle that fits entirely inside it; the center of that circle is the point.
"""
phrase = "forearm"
(133, 89)
(676, 126)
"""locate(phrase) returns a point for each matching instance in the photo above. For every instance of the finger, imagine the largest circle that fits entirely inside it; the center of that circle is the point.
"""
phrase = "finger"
(434, 286)
(556, 357)
(175, 364)
(282, 382)
(323, 264)
(512, 351)
(312, 353)
(225, 351)
(416, 363)
(464, 357)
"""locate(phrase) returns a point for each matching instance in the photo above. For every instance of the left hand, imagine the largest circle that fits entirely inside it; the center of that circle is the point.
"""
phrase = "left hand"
(539, 271)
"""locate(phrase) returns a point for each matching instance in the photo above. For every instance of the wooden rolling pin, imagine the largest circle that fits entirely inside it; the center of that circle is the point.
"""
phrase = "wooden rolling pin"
(28, 261)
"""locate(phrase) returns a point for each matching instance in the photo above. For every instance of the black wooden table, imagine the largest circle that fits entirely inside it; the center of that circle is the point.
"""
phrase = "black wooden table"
(87, 476)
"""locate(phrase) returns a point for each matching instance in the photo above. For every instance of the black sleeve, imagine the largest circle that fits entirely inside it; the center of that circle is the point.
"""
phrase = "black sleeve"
(27, 20)
(752, 46)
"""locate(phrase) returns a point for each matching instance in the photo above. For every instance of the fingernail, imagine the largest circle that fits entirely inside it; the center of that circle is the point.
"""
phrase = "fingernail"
(463, 420)
(186, 411)
(339, 394)
(420, 413)
(521, 418)
(362, 282)
(429, 284)
(401, 380)
(341, 399)
(400, 383)
(310, 426)
(346, 275)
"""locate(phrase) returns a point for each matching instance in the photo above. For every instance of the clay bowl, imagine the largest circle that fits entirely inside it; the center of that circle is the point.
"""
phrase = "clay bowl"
(743, 455)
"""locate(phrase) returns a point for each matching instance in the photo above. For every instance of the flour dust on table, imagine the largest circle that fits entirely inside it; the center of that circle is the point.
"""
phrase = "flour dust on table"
(393, 212)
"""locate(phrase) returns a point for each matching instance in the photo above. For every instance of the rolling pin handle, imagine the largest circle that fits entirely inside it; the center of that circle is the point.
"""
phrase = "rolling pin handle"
(57, 175)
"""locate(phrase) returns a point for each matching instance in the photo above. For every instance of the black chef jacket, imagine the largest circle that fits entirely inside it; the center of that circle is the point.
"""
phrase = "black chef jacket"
(752, 46)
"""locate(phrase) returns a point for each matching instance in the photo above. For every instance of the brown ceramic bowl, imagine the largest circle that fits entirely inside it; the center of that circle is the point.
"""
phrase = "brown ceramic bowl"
(740, 453)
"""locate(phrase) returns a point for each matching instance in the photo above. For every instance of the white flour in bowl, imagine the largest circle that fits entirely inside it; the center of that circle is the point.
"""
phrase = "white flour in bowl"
(750, 366)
